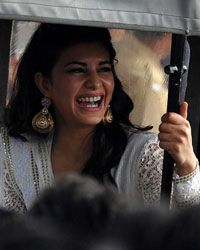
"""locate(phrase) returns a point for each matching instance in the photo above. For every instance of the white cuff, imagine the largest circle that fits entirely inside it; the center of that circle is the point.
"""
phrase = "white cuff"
(186, 189)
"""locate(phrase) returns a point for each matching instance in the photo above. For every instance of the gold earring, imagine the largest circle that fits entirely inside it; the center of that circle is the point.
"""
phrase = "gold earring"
(43, 122)
(108, 116)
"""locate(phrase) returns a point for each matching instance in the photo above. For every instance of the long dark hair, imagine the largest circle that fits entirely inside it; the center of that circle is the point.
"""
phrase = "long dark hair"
(41, 54)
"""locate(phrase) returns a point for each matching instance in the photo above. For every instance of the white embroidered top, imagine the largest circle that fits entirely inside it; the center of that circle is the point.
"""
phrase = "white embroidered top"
(25, 170)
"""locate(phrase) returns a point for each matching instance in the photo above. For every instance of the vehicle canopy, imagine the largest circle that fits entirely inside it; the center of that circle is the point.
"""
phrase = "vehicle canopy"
(175, 16)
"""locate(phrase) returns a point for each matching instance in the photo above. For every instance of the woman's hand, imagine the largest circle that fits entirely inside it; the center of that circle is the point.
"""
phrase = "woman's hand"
(175, 137)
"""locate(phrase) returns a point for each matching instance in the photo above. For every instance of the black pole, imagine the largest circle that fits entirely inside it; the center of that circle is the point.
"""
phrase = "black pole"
(175, 71)
(5, 35)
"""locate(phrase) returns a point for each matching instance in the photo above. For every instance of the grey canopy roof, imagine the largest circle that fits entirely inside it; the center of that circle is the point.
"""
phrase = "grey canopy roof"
(177, 16)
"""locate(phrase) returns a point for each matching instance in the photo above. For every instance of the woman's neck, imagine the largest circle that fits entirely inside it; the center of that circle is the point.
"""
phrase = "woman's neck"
(73, 138)
(71, 149)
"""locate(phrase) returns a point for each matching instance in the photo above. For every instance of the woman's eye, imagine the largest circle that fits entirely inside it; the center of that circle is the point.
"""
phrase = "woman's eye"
(75, 70)
(105, 69)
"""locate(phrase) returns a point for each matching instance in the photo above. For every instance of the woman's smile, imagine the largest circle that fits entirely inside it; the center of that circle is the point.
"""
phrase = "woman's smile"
(90, 103)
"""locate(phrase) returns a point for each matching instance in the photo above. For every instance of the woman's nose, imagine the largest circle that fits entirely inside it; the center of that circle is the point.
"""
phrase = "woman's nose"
(93, 81)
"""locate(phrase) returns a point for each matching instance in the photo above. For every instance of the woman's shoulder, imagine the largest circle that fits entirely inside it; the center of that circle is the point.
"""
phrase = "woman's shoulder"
(137, 136)
(22, 138)
(4, 132)
(143, 145)
(11, 146)
(15, 144)
(139, 142)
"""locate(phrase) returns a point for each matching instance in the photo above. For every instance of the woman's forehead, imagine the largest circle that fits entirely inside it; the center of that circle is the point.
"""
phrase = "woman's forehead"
(85, 50)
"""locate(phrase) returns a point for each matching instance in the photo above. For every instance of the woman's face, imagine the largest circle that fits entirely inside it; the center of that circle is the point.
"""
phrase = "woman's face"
(81, 85)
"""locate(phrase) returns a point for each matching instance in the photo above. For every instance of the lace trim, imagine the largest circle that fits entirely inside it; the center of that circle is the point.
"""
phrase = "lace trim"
(187, 189)
(178, 179)
(184, 204)
(44, 164)
(150, 172)
(35, 174)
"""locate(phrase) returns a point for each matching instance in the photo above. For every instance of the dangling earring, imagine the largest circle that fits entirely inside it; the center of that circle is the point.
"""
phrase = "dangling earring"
(108, 116)
(43, 122)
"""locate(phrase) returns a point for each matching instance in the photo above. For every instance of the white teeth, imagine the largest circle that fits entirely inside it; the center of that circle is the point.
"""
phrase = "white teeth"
(97, 98)
(89, 99)
(92, 105)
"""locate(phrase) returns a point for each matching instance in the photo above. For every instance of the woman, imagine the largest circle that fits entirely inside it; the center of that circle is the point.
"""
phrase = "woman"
(70, 113)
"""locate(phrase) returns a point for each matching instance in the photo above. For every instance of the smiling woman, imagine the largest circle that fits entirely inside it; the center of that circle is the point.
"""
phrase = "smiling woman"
(70, 113)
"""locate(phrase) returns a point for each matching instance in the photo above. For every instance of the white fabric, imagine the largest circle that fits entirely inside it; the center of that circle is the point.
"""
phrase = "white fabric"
(137, 176)
(177, 16)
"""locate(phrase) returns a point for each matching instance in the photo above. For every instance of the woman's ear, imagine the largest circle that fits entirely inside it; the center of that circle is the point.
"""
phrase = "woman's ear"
(42, 83)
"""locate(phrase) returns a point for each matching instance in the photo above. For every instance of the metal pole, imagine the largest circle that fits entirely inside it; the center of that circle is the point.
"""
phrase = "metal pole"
(175, 71)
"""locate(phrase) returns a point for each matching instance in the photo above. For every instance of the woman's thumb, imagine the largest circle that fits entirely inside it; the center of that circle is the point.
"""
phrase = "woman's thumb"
(184, 109)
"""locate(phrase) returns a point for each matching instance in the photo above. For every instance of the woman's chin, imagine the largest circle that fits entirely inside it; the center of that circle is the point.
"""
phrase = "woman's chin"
(92, 121)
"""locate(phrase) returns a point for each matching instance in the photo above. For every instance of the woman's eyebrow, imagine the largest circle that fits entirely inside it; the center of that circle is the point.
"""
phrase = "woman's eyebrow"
(105, 62)
(85, 64)
(76, 62)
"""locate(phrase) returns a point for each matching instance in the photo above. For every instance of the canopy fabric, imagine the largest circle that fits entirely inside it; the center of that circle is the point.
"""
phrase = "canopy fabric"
(176, 16)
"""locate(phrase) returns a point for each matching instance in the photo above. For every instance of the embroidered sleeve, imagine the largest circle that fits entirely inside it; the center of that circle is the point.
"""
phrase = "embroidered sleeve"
(185, 191)
(150, 172)
(9, 191)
